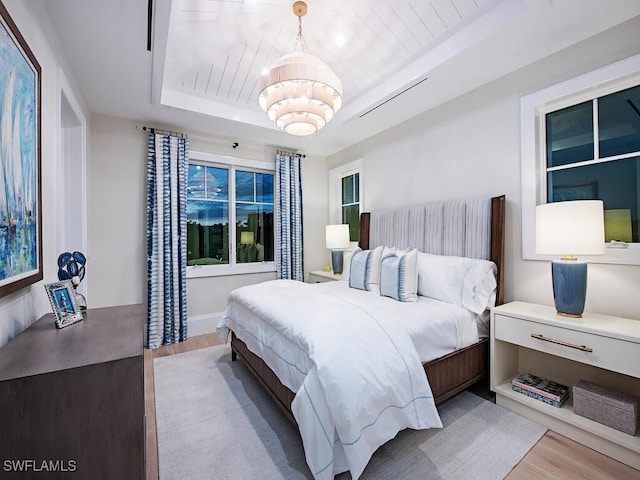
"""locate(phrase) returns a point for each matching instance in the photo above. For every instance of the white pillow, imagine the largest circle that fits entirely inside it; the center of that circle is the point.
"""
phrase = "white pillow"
(467, 282)
(399, 276)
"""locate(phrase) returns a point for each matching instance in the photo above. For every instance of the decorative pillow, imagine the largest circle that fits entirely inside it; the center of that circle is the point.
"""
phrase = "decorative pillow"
(367, 265)
(347, 264)
(467, 282)
(359, 268)
(373, 275)
(399, 276)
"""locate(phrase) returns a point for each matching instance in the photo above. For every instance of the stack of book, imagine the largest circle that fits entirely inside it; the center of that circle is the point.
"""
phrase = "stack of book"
(546, 391)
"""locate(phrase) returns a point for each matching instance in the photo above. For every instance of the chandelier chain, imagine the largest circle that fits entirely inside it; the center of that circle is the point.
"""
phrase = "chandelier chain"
(300, 44)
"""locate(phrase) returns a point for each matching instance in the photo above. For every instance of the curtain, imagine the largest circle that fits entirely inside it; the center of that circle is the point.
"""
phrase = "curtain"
(166, 240)
(288, 193)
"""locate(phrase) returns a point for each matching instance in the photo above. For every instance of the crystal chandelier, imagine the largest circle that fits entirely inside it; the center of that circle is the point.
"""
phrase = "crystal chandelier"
(300, 93)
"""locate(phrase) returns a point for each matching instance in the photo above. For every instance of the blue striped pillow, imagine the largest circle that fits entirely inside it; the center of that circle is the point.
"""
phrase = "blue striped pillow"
(399, 277)
(359, 269)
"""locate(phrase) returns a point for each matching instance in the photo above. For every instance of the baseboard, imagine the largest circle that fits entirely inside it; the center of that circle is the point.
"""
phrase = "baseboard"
(201, 324)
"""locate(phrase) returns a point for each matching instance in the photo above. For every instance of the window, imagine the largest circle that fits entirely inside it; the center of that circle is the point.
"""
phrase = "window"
(345, 196)
(220, 195)
(254, 217)
(587, 146)
(593, 152)
(351, 204)
(207, 215)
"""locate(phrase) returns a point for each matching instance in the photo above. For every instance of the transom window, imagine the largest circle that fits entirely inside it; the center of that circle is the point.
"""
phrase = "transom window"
(218, 196)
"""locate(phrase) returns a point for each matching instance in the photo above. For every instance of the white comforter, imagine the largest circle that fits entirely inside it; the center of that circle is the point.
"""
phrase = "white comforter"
(363, 380)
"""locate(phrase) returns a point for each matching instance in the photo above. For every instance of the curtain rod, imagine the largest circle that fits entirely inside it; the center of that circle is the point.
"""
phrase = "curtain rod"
(184, 135)
(162, 132)
(295, 154)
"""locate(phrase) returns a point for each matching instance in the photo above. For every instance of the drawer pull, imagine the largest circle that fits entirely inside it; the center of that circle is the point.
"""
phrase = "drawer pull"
(582, 348)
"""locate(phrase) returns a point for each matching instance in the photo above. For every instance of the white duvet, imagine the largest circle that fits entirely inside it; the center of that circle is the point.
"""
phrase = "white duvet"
(362, 383)
(437, 328)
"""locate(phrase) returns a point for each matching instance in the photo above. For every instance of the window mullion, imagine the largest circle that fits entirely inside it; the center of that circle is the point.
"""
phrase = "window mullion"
(206, 187)
(596, 132)
(232, 216)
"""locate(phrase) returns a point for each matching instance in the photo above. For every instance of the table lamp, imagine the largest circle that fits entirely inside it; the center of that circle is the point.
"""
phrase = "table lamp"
(337, 239)
(570, 228)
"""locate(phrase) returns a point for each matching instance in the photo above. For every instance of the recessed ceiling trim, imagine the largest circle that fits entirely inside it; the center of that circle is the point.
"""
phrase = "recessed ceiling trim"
(149, 23)
(394, 96)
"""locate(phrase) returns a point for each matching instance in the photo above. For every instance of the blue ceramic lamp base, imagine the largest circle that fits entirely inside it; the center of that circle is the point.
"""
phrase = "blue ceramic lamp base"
(337, 257)
(569, 287)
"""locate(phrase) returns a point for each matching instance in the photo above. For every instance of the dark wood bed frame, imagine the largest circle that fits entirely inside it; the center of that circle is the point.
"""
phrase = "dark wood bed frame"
(447, 375)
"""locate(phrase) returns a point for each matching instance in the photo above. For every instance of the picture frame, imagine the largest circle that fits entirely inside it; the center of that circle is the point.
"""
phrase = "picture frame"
(20, 161)
(63, 302)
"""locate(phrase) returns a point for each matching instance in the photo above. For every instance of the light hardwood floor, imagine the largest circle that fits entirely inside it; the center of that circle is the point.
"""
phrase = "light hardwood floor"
(554, 457)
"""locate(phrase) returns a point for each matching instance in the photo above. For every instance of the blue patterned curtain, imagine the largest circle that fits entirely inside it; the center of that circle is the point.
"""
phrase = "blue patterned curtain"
(288, 192)
(166, 240)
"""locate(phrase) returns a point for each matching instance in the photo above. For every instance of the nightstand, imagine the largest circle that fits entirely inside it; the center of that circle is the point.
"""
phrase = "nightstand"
(601, 349)
(319, 276)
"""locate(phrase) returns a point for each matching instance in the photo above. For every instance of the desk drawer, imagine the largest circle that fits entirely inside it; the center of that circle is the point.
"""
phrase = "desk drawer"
(605, 352)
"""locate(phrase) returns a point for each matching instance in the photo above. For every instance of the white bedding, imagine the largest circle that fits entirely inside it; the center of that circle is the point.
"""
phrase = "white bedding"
(436, 328)
(358, 377)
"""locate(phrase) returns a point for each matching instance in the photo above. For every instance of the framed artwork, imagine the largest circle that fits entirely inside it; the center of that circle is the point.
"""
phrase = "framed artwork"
(63, 302)
(20, 182)
(575, 191)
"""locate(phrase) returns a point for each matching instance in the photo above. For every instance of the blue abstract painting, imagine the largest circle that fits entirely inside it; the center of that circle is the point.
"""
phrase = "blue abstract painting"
(20, 216)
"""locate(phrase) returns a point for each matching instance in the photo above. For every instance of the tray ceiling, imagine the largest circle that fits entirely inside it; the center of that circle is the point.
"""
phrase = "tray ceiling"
(395, 59)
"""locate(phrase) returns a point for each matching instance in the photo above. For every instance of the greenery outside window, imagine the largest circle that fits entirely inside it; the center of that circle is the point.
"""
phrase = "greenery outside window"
(351, 204)
(220, 195)
(345, 196)
(581, 140)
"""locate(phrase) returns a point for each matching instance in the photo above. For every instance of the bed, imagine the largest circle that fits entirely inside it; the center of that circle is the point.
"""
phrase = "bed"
(469, 229)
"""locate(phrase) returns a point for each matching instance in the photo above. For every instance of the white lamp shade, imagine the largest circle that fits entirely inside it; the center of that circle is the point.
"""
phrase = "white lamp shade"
(570, 228)
(300, 93)
(337, 236)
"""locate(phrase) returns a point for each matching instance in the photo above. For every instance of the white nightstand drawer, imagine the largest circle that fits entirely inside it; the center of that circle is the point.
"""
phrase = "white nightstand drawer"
(320, 276)
(606, 352)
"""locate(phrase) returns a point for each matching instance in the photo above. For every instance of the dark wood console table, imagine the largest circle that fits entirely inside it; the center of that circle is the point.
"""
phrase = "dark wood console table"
(75, 396)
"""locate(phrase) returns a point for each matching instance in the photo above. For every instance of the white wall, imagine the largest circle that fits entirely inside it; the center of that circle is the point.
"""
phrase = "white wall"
(471, 147)
(116, 199)
(116, 191)
(22, 308)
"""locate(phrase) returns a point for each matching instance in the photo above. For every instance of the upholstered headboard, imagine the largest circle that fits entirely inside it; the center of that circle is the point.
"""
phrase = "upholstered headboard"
(465, 228)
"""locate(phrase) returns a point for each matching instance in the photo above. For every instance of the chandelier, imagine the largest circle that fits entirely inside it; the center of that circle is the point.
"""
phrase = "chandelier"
(299, 92)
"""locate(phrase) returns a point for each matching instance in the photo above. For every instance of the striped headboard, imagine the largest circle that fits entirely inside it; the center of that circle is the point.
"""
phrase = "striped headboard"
(465, 228)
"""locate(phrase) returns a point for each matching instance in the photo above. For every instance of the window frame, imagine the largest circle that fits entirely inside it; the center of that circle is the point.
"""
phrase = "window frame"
(336, 175)
(232, 164)
(533, 108)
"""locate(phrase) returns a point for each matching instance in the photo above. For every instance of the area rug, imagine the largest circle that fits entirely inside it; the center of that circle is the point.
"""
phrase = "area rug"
(214, 421)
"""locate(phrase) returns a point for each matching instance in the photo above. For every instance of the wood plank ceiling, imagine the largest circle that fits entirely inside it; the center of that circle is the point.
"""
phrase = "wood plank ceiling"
(217, 49)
